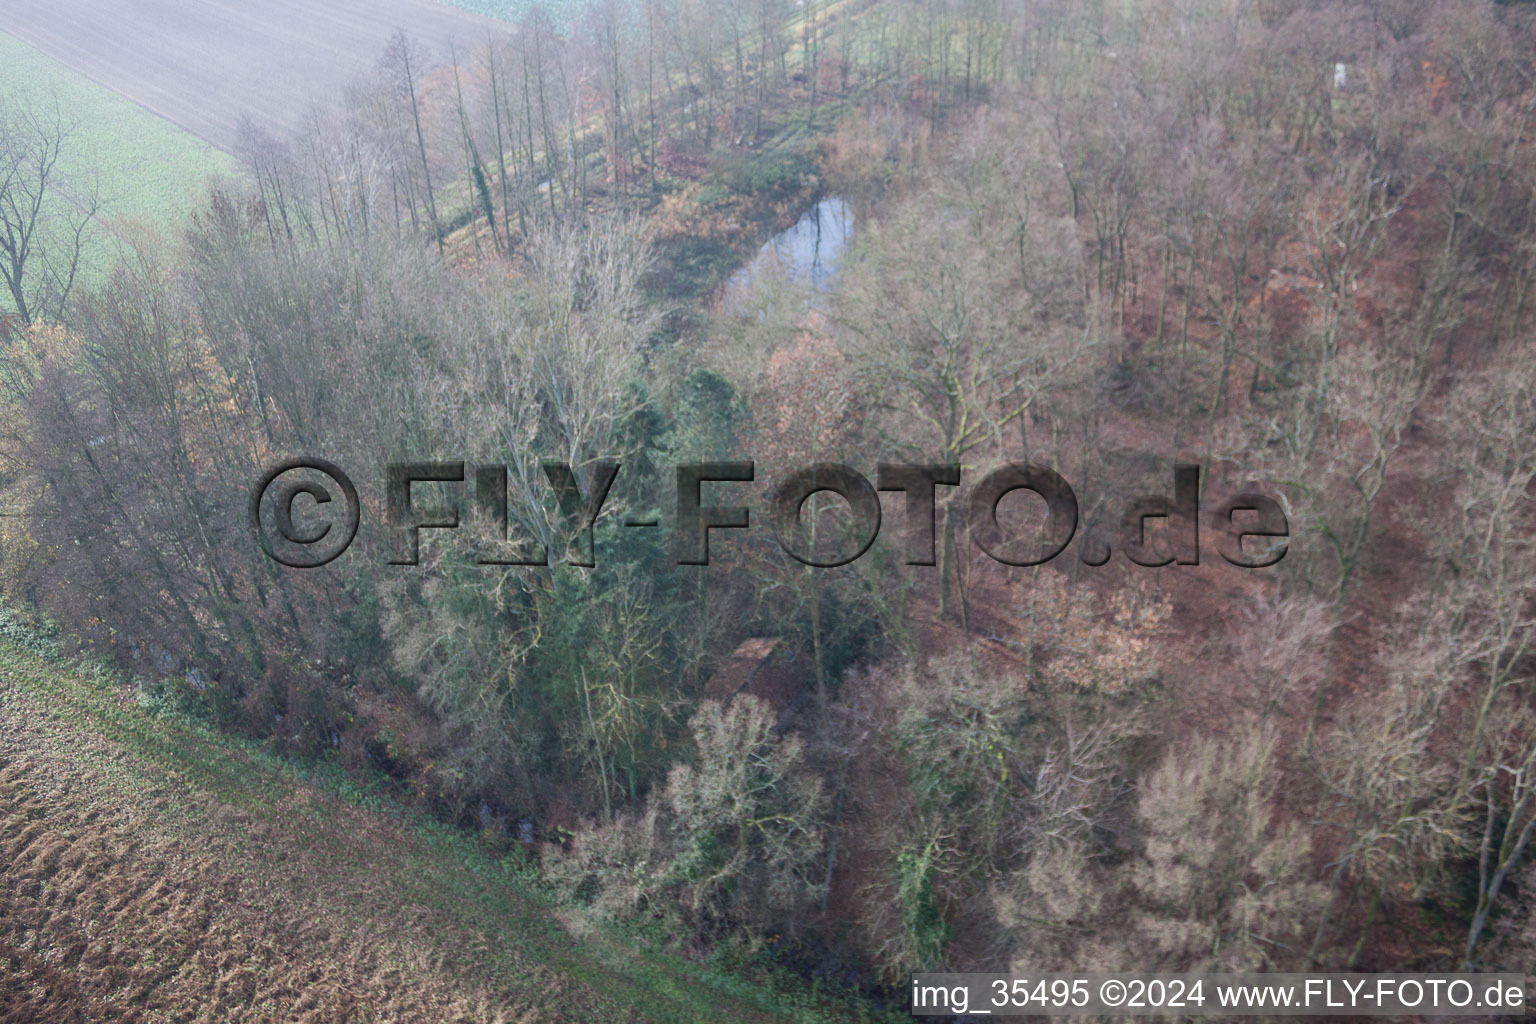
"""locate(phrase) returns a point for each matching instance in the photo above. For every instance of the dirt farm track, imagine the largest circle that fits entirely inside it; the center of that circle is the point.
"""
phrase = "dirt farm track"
(201, 64)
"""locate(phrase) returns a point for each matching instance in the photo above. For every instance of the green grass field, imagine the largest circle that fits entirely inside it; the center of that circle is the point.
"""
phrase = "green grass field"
(148, 171)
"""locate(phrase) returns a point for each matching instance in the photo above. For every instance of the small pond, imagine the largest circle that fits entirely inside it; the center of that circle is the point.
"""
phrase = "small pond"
(807, 253)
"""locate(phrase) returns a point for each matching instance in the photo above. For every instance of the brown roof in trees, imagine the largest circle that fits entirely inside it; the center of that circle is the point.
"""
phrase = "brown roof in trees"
(766, 668)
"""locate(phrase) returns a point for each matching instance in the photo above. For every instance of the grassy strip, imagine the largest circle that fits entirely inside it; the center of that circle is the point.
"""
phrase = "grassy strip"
(512, 11)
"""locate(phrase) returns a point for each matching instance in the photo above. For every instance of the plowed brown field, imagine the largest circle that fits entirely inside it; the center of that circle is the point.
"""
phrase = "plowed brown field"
(100, 923)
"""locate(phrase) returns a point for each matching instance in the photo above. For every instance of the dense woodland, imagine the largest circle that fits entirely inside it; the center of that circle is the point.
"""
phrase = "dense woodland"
(1290, 241)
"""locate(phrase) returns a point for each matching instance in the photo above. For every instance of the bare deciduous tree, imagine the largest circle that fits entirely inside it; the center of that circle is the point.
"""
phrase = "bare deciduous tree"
(967, 311)
(44, 219)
